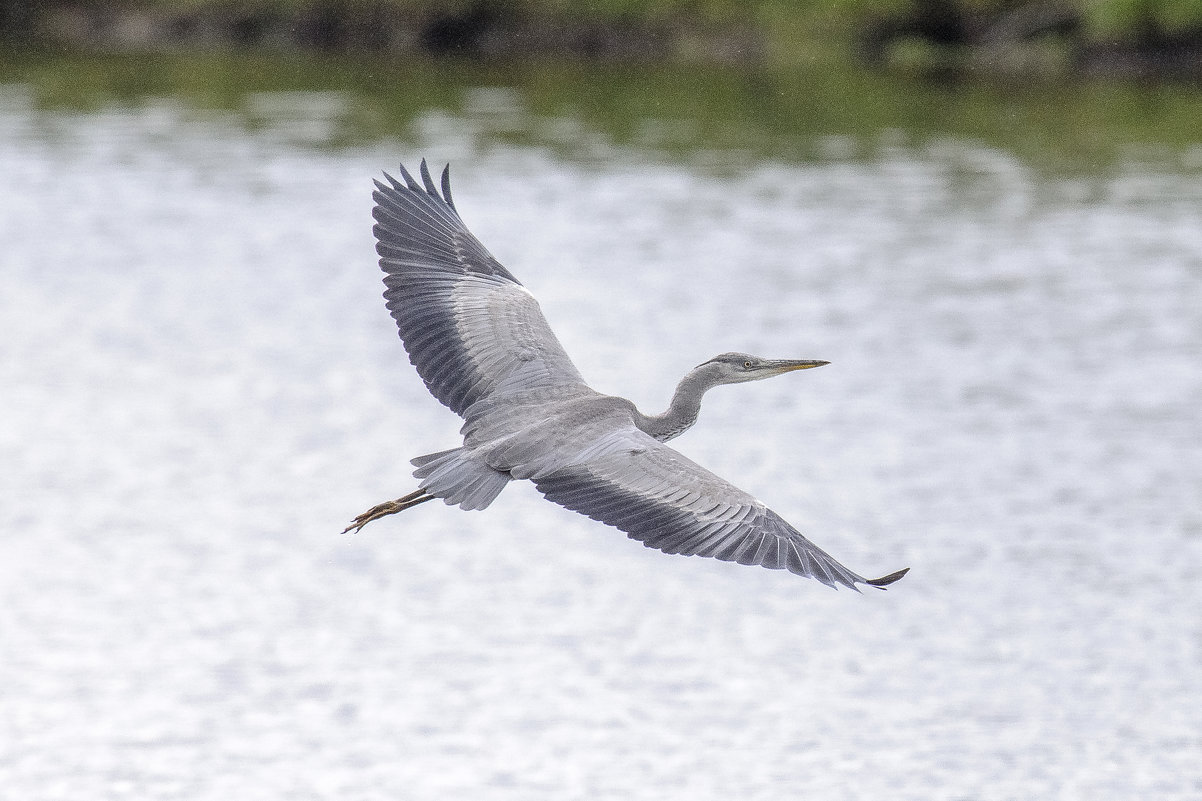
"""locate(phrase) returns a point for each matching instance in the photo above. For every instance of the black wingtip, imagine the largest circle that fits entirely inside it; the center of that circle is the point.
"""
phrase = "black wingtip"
(446, 188)
(428, 181)
(885, 581)
(410, 183)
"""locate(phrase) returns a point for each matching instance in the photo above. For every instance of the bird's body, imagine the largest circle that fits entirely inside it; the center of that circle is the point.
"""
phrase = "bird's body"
(479, 341)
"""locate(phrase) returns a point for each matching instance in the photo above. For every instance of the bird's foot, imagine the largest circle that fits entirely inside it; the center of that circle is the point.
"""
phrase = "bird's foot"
(388, 508)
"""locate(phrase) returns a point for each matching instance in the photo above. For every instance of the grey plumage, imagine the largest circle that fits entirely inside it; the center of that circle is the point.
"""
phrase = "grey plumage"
(479, 341)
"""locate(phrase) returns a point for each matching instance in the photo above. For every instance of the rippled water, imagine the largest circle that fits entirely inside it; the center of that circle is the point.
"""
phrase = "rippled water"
(201, 386)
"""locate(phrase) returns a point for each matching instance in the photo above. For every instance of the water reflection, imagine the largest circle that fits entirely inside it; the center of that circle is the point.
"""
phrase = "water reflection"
(704, 114)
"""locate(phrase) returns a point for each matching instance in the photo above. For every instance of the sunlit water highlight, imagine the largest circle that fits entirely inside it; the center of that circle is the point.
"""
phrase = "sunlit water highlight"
(201, 386)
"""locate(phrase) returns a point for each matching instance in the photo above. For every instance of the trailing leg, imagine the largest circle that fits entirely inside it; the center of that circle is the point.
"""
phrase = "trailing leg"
(389, 508)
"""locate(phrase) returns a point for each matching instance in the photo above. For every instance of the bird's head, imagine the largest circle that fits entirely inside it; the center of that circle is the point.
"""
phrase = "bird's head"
(735, 368)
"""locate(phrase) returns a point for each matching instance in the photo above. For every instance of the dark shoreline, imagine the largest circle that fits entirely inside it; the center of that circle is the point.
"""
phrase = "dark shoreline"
(1033, 40)
(483, 31)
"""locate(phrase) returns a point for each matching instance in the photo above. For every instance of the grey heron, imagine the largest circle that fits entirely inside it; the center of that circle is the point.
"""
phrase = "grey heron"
(483, 348)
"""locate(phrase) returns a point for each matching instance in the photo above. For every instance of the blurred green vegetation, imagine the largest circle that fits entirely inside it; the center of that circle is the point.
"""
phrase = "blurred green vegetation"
(709, 114)
(1130, 19)
(1105, 17)
(711, 10)
(817, 27)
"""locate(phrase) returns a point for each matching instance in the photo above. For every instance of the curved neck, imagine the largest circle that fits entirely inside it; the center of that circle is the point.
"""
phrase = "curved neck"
(683, 411)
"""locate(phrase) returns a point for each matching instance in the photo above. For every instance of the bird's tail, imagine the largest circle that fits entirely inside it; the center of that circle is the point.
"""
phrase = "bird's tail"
(459, 479)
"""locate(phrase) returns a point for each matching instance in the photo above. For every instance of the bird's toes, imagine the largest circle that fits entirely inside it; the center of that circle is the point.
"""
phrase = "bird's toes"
(374, 513)
(355, 525)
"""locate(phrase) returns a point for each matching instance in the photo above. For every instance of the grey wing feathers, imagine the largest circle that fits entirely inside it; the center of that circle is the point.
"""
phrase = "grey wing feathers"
(666, 501)
(469, 326)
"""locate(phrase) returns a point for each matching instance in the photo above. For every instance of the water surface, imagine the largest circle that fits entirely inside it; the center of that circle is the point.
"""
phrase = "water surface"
(202, 386)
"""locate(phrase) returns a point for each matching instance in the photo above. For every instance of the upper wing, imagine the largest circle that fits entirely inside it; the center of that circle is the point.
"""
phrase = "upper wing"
(469, 326)
(669, 502)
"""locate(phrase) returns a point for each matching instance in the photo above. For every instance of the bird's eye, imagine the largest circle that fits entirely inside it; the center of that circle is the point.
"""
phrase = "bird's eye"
(746, 365)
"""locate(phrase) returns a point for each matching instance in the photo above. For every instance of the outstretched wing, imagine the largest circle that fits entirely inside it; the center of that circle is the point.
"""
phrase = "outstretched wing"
(666, 501)
(470, 327)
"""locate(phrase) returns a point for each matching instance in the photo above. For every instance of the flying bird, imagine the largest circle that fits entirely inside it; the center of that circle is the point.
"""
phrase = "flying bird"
(483, 348)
